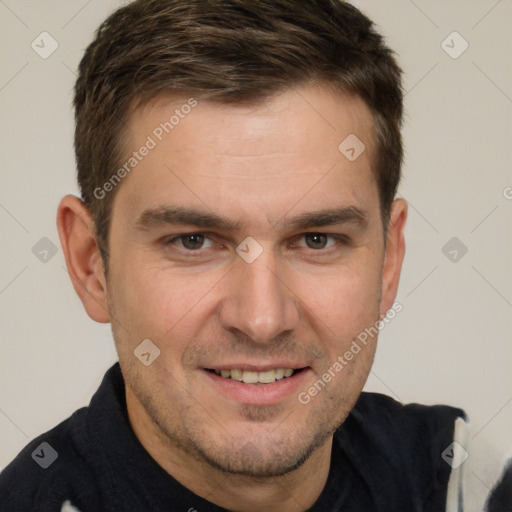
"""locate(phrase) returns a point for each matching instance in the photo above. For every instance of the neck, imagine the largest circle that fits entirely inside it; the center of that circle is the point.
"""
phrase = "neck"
(239, 493)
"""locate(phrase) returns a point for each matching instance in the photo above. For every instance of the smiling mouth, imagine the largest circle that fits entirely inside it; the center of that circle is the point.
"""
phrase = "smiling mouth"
(251, 377)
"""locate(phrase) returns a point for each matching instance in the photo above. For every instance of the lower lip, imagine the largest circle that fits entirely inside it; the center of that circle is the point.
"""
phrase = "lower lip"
(259, 394)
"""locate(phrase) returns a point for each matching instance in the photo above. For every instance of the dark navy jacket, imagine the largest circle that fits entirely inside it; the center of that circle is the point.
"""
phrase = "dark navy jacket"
(386, 457)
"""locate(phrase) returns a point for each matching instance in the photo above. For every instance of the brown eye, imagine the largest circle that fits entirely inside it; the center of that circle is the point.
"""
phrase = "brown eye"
(192, 242)
(190, 245)
(320, 241)
(316, 240)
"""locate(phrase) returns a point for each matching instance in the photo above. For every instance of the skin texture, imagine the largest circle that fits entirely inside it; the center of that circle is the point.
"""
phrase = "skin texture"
(300, 303)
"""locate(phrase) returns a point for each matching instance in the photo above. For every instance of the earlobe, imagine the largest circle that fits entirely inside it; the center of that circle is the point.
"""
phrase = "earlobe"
(394, 255)
(76, 232)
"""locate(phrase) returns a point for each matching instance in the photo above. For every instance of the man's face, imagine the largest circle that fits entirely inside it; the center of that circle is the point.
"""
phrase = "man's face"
(271, 173)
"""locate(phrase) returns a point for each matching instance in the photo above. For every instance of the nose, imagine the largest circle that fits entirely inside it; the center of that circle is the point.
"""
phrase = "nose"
(258, 301)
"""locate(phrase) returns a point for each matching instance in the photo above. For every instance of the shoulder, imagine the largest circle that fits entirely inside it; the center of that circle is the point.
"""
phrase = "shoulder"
(45, 473)
(402, 450)
(410, 419)
(400, 428)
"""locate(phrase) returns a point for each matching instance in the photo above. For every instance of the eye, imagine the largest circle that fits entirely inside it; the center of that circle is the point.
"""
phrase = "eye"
(190, 241)
(318, 241)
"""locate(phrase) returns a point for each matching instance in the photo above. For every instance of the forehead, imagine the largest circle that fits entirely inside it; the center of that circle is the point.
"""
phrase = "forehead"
(307, 112)
(238, 157)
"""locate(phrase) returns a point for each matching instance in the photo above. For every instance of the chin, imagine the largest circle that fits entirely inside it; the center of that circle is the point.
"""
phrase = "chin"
(262, 459)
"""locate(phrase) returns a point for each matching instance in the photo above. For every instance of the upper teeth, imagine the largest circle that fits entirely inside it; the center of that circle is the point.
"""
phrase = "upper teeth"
(249, 377)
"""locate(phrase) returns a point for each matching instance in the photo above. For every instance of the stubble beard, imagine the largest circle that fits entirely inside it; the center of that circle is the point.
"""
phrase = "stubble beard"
(264, 457)
(183, 432)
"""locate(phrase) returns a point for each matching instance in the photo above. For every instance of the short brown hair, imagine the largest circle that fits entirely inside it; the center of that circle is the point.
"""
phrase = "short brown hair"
(231, 51)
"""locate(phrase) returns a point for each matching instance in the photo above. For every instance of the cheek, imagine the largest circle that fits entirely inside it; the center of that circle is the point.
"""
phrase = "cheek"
(344, 300)
(158, 301)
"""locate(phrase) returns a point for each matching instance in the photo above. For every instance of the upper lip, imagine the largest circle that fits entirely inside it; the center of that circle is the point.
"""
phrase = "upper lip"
(251, 367)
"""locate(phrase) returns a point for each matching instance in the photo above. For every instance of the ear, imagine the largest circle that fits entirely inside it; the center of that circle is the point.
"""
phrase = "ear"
(85, 267)
(394, 254)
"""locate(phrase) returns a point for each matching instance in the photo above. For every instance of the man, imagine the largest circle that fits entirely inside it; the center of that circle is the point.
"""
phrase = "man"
(238, 227)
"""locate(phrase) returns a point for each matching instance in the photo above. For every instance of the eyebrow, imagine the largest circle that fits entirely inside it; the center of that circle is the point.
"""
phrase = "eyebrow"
(163, 215)
(328, 217)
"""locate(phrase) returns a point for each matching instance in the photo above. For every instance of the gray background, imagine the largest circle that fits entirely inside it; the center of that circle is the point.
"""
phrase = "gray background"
(452, 341)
